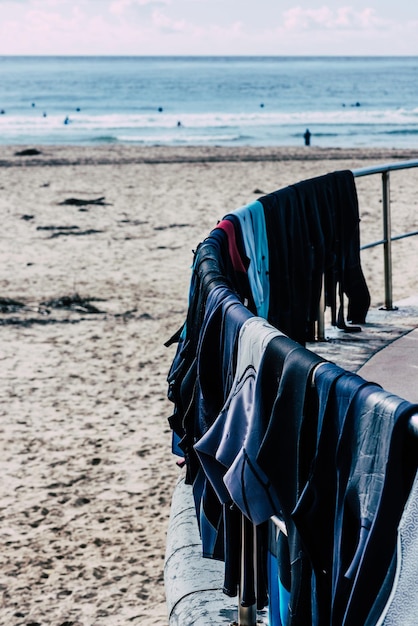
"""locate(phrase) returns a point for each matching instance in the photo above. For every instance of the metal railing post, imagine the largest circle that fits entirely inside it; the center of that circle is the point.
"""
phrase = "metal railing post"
(247, 615)
(387, 241)
(320, 325)
(387, 228)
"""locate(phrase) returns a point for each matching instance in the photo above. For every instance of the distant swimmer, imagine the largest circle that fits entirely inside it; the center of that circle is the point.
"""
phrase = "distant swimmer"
(160, 109)
(307, 137)
(78, 109)
(2, 112)
(67, 120)
(33, 104)
(44, 114)
(178, 123)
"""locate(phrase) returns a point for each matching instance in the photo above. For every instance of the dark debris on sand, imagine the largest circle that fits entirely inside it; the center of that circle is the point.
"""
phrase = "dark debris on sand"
(171, 226)
(82, 202)
(28, 152)
(72, 303)
(79, 233)
(17, 313)
(55, 228)
(8, 305)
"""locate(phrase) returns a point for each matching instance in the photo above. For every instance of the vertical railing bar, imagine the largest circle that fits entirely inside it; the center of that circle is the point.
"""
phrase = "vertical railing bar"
(320, 325)
(256, 573)
(387, 241)
(247, 615)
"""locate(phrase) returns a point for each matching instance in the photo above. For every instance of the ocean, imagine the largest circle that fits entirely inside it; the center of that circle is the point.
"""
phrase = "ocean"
(256, 101)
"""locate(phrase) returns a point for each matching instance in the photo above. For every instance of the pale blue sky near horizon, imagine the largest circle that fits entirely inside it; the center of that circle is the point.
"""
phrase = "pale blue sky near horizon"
(208, 27)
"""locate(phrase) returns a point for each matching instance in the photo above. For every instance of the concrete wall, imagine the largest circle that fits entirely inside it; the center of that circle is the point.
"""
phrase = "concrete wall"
(193, 584)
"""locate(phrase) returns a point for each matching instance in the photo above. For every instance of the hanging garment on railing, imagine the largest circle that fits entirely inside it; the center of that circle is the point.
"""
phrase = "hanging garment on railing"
(313, 231)
(215, 364)
(248, 486)
(221, 443)
(253, 228)
(278, 457)
(333, 198)
(291, 256)
(232, 257)
(278, 594)
(235, 254)
(397, 595)
(213, 375)
(376, 462)
(314, 513)
(218, 444)
(211, 269)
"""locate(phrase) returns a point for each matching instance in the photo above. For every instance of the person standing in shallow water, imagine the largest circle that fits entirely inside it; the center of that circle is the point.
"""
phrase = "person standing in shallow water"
(307, 137)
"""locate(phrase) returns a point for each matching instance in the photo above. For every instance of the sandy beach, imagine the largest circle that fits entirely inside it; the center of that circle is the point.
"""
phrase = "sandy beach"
(95, 255)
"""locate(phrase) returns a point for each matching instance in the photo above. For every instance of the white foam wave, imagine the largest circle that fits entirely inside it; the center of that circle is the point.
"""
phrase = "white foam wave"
(179, 139)
(213, 120)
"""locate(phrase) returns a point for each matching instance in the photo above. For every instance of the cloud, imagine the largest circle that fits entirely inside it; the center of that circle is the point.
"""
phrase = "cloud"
(326, 18)
(166, 24)
(120, 7)
(136, 27)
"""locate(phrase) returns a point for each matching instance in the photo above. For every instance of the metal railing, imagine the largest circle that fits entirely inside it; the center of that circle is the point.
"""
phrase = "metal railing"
(387, 228)
(247, 616)
(387, 239)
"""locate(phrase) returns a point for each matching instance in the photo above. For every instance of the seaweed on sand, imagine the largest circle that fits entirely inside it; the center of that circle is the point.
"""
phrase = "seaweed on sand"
(72, 303)
(8, 305)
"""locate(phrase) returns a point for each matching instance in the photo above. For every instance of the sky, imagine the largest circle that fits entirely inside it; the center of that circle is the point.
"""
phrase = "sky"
(208, 27)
